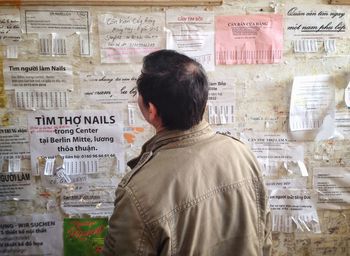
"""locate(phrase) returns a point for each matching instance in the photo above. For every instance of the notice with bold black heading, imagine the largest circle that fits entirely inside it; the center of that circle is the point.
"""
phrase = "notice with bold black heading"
(37, 75)
(81, 135)
(40, 235)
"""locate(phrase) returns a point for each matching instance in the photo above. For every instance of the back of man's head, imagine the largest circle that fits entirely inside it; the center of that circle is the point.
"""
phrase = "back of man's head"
(177, 85)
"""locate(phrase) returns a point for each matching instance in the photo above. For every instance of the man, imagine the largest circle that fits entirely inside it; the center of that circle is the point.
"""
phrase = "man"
(191, 191)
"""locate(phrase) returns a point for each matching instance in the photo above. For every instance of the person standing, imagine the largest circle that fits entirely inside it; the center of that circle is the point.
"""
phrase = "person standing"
(191, 191)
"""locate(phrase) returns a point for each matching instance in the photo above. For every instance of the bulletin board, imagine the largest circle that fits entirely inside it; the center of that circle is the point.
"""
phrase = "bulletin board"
(69, 120)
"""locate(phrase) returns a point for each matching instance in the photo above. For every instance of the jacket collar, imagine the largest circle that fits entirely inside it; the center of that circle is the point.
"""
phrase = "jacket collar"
(172, 138)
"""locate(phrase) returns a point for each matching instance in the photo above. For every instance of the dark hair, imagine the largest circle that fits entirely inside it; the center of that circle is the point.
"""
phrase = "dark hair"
(177, 85)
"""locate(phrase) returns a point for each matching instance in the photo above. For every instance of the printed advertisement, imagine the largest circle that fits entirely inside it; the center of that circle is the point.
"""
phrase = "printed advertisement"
(38, 75)
(249, 39)
(84, 237)
(93, 200)
(81, 135)
(192, 33)
(294, 210)
(312, 100)
(333, 185)
(16, 186)
(39, 234)
(274, 151)
(14, 143)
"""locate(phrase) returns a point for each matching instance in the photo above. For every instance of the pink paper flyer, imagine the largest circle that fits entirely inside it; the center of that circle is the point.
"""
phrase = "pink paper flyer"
(249, 39)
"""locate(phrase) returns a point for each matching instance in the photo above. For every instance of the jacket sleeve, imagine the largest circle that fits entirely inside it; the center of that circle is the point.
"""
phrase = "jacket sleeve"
(126, 234)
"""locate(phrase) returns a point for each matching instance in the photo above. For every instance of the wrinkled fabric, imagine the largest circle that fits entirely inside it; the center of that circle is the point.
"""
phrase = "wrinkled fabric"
(191, 192)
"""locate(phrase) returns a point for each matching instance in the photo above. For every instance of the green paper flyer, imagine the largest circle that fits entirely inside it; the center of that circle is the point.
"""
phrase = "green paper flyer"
(85, 236)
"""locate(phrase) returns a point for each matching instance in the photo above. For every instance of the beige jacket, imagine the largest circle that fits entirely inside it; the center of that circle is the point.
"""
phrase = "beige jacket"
(191, 193)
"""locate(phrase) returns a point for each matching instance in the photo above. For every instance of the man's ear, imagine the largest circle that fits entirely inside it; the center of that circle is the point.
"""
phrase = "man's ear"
(152, 112)
(154, 118)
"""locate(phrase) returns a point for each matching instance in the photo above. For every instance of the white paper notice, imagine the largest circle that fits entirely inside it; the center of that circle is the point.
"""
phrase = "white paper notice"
(333, 185)
(85, 134)
(221, 90)
(347, 95)
(221, 101)
(342, 123)
(192, 33)
(294, 210)
(10, 31)
(314, 22)
(39, 234)
(38, 75)
(273, 151)
(295, 183)
(126, 37)
(54, 25)
(311, 102)
(109, 88)
(16, 186)
(14, 143)
(90, 200)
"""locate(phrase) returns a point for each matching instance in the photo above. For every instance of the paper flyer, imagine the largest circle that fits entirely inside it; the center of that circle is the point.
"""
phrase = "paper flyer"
(221, 100)
(294, 210)
(312, 100)
(249, 39)
(14, 142)
(80, 135)
(16, 186)
(314, 21)
(10, 30)
(85, 236)
(53, 27)
(39, 234)
(342, 123)
(89, 200)
(274, 151)
(192, 33)
(127, 37)
(40, 76)
(109, 88)
(333, 186)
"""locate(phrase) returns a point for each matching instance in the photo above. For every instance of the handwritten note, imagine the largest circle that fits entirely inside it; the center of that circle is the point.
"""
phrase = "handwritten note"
(314, 21)
(109, 88)
(10, 31)
(126, 37)
(192, 33)
(249, 39)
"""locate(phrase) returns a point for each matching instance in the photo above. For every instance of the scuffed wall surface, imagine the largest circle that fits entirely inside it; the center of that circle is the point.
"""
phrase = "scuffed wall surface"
(262, 100)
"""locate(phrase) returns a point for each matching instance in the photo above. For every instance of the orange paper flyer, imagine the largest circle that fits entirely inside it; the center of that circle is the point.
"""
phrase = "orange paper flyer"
(249, 39)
